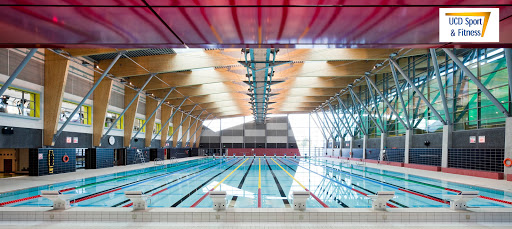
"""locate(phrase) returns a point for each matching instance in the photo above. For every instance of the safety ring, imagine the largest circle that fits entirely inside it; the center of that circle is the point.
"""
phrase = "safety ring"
(507, 164)
(65, 158)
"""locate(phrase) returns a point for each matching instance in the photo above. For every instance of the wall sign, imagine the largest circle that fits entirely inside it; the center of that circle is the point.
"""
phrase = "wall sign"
(472, 139)
(75, 139)
(40, 156)
(469, 25)
(481, 139)
(111, 140)
(68, 139)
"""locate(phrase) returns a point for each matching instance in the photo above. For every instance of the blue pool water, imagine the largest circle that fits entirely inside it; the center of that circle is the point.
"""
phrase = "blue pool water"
(185, 184)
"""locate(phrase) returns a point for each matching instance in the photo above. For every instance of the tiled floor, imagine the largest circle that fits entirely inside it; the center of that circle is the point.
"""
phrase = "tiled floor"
(470, 180)
(66, 225)
(23, 182)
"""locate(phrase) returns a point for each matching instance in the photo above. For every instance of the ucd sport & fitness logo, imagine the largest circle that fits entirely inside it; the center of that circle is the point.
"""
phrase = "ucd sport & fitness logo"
(469, 25)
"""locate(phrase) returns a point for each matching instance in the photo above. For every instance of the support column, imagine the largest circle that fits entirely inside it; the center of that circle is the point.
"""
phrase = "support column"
(383, 137)
(342, 144)
(447, 143)
(176, 120)
(508, 147)
(129, 115)
(408, 143)
(100, 107)
(151, 105)
(55, 77)
(165, 114)
(365, 142)
(351, 145)
(198, 135)
(184, 127)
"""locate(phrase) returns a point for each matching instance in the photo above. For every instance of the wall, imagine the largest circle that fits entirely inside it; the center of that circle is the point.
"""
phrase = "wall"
(373, 143)
(39, 167)
(435, 139)
(22, 138)
(8, 154)
(261, 152)
(84, 140)
(275, 133)
(494, 138)
(395, 142)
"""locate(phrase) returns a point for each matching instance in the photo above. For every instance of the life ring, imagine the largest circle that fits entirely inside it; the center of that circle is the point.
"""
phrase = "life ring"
(65, 158)
(507, 164)
(350, 153)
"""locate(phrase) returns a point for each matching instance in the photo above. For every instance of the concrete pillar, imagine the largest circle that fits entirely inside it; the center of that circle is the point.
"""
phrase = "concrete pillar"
(447, 143)
(408, 143)
(382, 145)
(365, 141)
(508, 147)
(351, 145)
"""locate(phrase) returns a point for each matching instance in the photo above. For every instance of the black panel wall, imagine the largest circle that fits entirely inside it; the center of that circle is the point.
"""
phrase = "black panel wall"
(22, 138)
(373, 143)
(97, 158)
(494, 138)
(84, 140)
(435, 139)
(38, 166)
(117, 144)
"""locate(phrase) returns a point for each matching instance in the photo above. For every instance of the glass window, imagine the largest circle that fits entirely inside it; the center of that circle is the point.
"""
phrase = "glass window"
(82, 116)
(19, 102)
(138, 125)
(111, 117)
(157, 128)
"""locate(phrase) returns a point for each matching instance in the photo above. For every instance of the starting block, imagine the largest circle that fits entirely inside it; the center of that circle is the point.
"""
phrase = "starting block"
(60, 201)
(458, 202)
(379, 201)
(138, 199)
(218, 199)
(299, 200)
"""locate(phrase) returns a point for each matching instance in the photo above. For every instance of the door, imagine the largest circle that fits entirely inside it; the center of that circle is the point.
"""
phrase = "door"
(8, 165)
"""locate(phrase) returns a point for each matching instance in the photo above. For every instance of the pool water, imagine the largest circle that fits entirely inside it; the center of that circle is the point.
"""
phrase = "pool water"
(258, 182)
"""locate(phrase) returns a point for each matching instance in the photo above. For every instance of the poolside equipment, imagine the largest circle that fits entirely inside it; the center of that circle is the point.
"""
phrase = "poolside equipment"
(60, 201)
(299, 199)
(458, 202)
(218, 199)
(138, 199)
(380, 200)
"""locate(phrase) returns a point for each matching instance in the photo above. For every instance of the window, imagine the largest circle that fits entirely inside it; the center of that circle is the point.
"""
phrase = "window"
(138, 125)
(19, 102)
(82, 116)
(157, 128)
(111, 117)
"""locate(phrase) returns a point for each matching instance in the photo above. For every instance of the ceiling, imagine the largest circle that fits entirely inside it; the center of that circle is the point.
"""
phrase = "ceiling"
(233, 23)
(156, 32)
(214, 78)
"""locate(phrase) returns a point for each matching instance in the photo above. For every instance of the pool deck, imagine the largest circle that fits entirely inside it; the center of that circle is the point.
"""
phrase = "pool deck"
(23, 182)
(502, 185)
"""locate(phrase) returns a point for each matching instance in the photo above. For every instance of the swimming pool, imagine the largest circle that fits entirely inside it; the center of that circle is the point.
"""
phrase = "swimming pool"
(258, 182)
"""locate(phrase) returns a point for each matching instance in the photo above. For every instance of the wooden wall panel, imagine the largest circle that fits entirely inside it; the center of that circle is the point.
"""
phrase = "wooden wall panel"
(176, 120)
(166, 113)
(129, 115)
(151, 105)
(102, 96)
(55, 77)
(198, 136)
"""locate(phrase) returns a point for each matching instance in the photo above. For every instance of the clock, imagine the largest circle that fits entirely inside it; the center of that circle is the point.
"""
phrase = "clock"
(111, 140)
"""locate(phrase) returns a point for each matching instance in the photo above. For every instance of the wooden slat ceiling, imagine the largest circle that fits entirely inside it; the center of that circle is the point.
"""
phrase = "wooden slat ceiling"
(214, 79)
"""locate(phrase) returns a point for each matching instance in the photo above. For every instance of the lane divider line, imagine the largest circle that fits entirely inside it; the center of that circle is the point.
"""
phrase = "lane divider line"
(313, 195)
(83, 186)
(396, 187)
(80, 199)
(259, 182)
(278, 185)
(240, 185)
(218, 184)
(163, 185)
